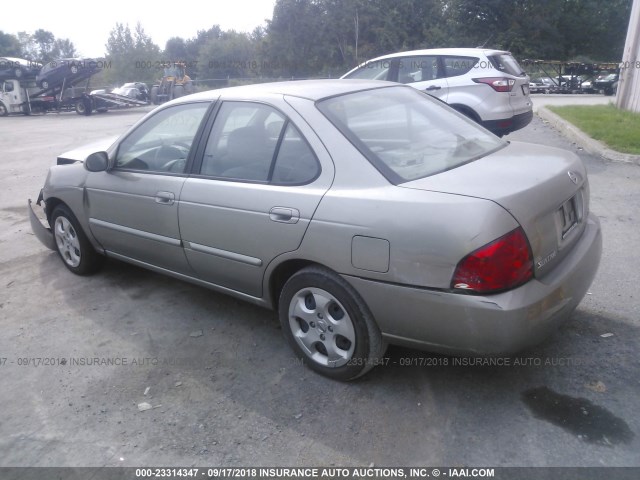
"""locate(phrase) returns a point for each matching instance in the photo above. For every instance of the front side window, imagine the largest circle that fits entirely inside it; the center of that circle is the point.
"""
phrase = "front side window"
(162, 143)
(407, 135)
(254, 142)
(377, 70)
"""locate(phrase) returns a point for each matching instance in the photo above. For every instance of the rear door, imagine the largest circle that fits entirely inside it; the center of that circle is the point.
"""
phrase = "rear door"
(262, 175)
(462, 90)
(422, 72)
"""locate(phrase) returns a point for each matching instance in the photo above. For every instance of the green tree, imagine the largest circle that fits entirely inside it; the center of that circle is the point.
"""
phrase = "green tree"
(9, 45)
(295, 44)
(231, 55)
(595, 28)
(44, 40)
(63, 48)
(28, 46)
(43, 46)
(175, 50)
(544, 29)
(131, 57)
(310, 37)
(194, 45)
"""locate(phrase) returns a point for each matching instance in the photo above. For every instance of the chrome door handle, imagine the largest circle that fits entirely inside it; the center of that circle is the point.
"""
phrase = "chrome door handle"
(165, 198)
(284, 215)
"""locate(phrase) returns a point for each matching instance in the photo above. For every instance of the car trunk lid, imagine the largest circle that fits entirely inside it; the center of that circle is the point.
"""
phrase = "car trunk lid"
(545, 190)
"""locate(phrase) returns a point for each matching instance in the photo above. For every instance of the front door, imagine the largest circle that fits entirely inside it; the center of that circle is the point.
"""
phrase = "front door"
(133, 208)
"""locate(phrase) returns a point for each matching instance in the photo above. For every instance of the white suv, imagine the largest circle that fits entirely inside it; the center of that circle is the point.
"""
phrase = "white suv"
(486, 85)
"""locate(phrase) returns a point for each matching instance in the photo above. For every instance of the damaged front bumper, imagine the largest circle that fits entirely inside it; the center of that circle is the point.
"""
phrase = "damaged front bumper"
(44, 234)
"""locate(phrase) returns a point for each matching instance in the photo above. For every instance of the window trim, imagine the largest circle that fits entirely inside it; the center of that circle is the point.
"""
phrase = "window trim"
(192, 150)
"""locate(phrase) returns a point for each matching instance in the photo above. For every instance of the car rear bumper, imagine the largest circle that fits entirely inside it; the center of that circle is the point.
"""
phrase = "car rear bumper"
(41, 232)
(504, 323)
(508, 125)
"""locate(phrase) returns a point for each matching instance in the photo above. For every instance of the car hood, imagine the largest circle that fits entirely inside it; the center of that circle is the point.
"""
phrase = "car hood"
(80, 154)
(532, 182)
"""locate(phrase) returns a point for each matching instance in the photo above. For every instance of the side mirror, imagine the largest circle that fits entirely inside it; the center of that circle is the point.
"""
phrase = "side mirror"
(97, 162)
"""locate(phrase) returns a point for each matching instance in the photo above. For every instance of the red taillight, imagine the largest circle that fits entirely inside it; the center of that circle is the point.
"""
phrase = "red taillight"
(499, 84)
(500, 265)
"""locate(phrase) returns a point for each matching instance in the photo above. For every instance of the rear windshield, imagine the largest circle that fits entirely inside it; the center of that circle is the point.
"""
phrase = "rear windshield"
(506, 64)
(407, 134)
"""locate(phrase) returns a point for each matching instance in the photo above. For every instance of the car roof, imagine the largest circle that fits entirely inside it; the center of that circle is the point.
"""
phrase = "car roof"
(20, 61)
(441, 51)
(310, 89)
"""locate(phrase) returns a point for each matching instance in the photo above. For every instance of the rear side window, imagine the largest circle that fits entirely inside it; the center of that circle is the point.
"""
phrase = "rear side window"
(372, 71)
(505, 63)
(418, 69)
(455, 66)
(256, 143)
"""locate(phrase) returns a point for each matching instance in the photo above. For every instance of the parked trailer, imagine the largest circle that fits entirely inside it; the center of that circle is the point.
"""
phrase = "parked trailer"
(27, 98)
(105, 101)
(570, 77)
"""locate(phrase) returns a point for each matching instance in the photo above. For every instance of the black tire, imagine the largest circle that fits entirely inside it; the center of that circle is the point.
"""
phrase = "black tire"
(44, 84)
(3, 110)
(81, 108)
(178, 91)
(18, 73)
(153, 95)
(87, 107)
(73, 246)
(331, 316)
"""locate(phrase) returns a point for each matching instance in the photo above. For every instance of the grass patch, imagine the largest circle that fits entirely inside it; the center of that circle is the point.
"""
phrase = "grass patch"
(619, 129)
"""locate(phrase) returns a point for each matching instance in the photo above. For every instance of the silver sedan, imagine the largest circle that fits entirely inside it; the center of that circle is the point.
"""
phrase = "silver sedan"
(364, 212)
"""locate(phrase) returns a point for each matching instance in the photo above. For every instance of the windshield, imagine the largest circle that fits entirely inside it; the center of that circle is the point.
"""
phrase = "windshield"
(406, 134)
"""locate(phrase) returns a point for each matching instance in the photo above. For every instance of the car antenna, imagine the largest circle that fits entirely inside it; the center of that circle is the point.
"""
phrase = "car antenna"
(486, 41)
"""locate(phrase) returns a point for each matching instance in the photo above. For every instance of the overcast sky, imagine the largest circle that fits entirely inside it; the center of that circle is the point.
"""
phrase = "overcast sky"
(87, 24)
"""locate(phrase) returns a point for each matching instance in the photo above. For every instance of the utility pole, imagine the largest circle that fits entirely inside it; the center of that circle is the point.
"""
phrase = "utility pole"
(629, 84)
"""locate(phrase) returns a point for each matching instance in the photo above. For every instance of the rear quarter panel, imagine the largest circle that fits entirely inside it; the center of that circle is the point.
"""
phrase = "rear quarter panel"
(428, 232)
